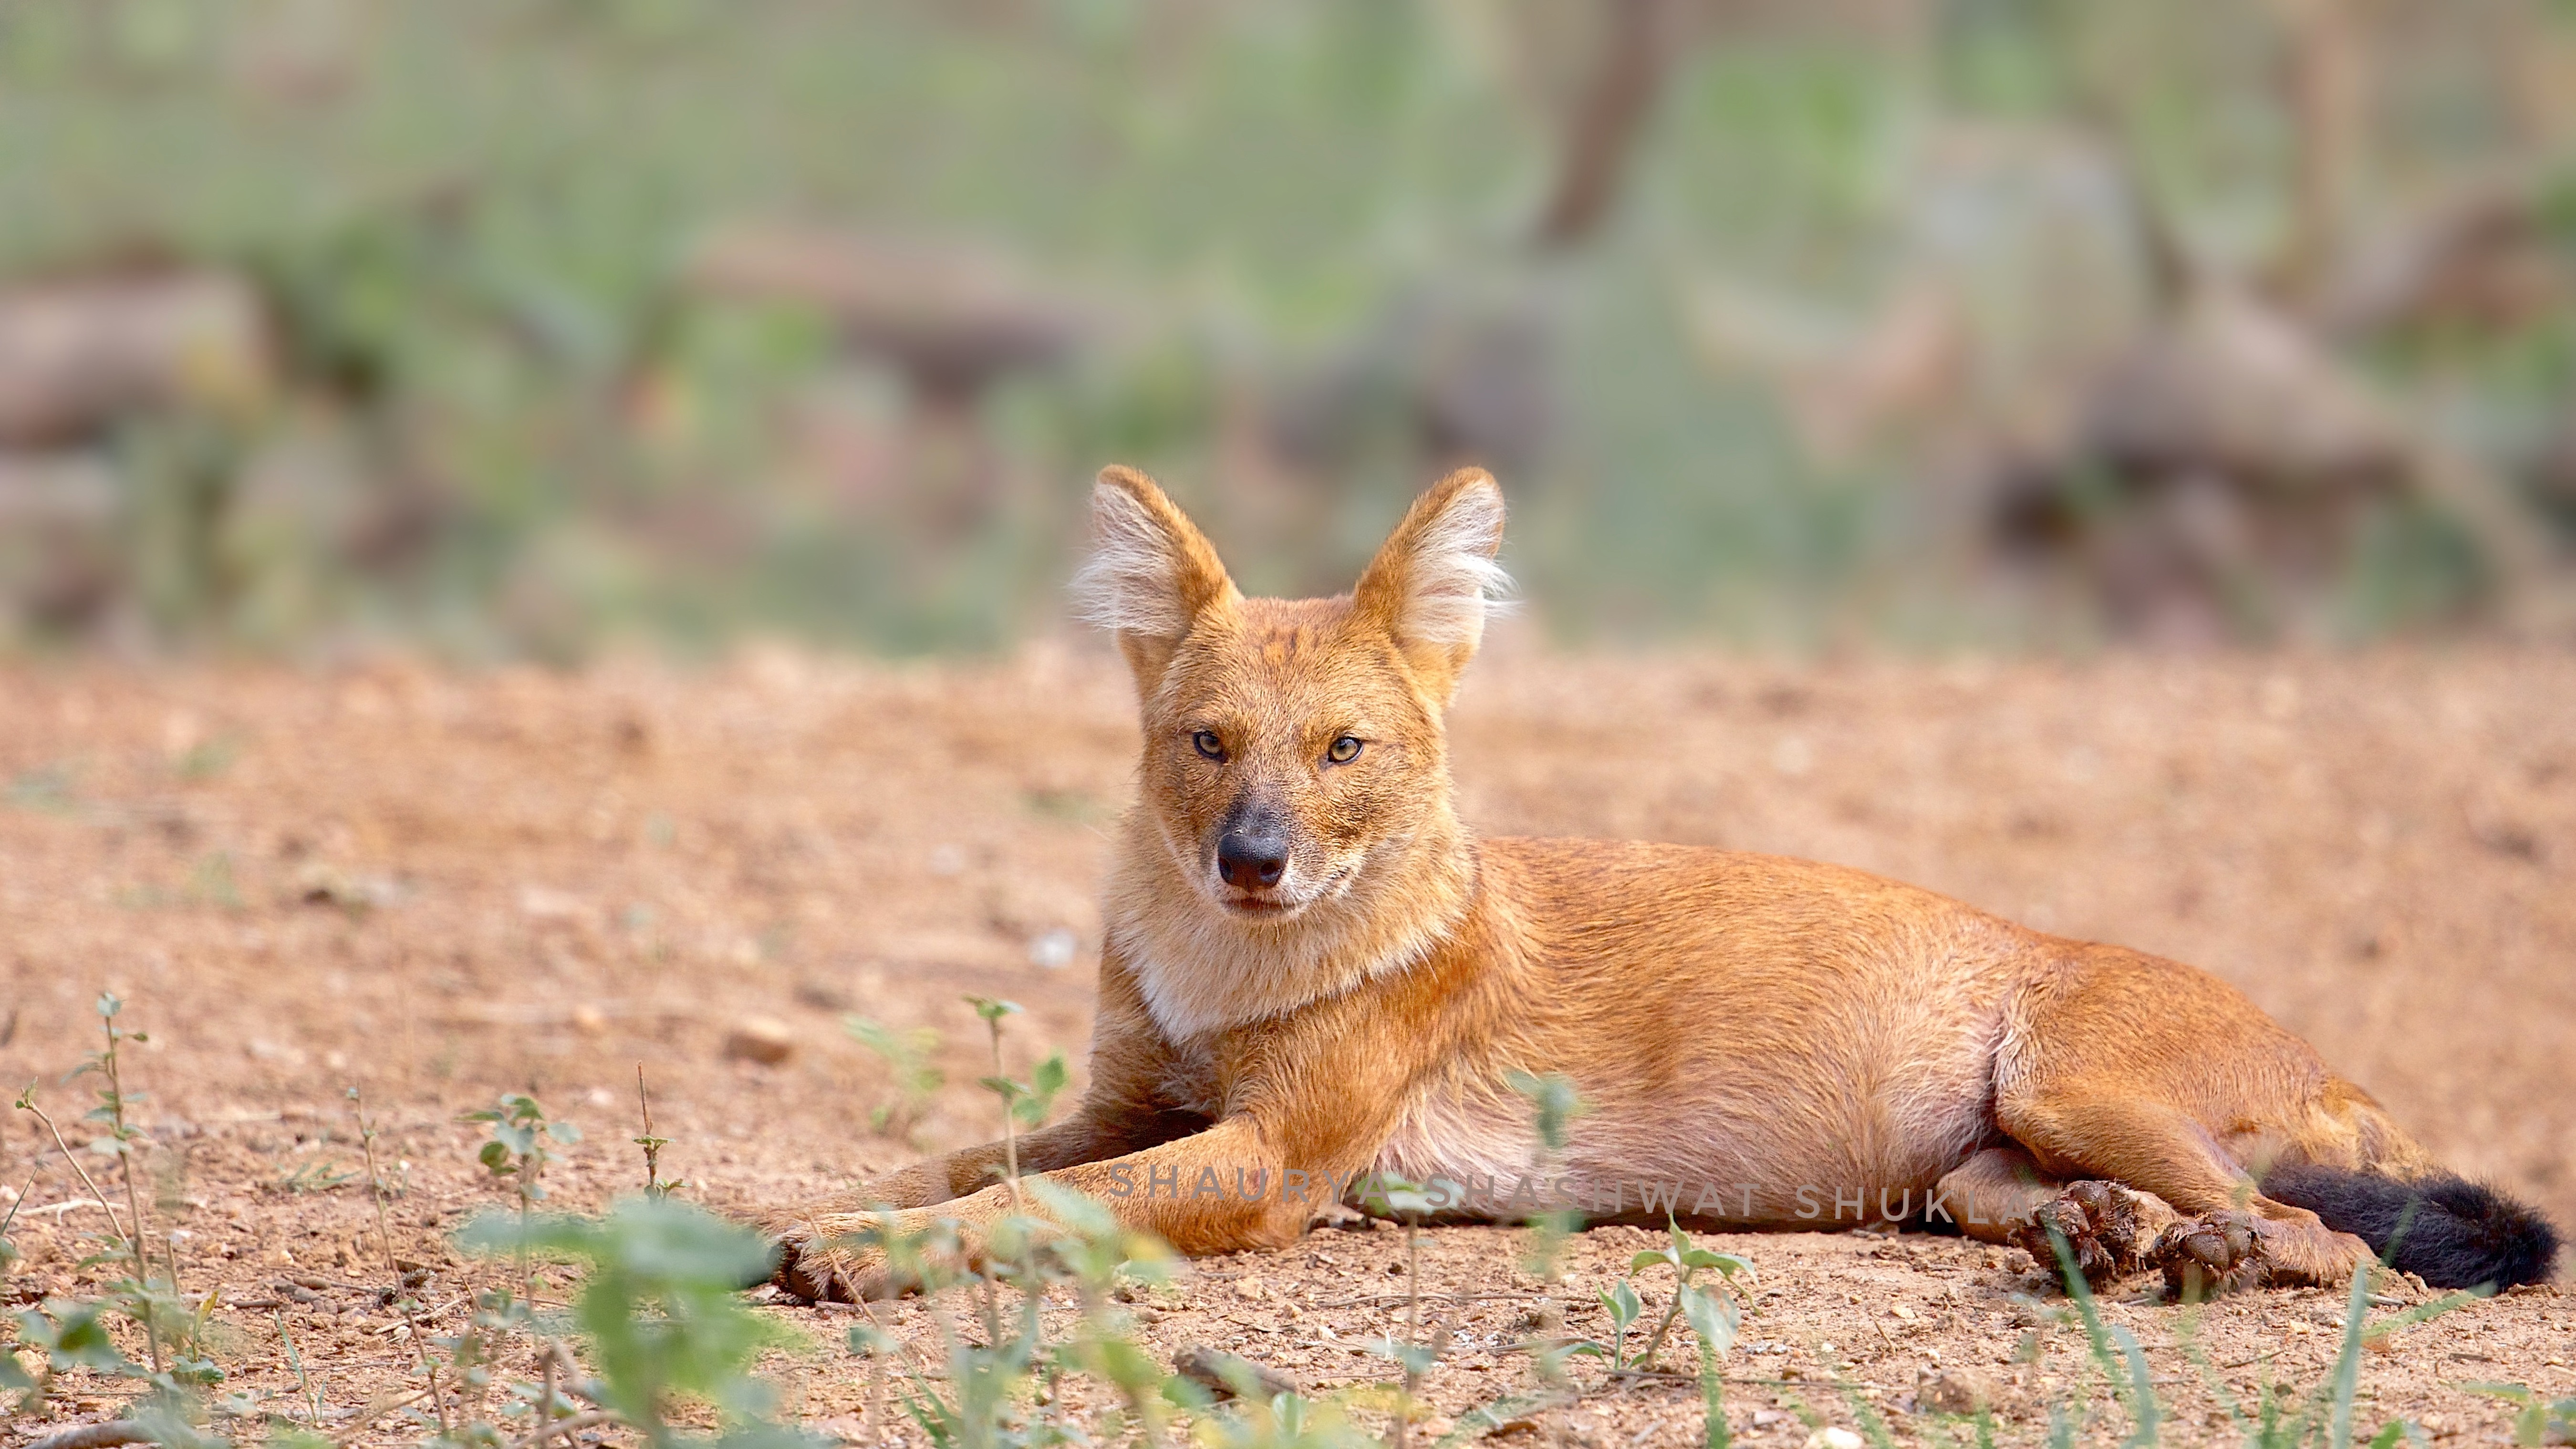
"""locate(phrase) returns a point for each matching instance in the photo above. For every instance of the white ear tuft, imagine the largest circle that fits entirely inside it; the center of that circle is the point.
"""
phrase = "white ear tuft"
(1434, 579)
(1451, 580)
(1131, 582)
(1151, 574)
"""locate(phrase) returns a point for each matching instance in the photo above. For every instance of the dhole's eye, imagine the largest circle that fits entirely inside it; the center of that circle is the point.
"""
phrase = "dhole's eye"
(1207, 744)
(1344, 750)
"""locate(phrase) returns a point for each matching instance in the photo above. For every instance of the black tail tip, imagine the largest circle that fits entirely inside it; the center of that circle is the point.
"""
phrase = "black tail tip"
(2448, 1231)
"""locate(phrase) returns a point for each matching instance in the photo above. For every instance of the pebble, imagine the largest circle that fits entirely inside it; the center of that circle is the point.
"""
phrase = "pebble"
(762, 1039)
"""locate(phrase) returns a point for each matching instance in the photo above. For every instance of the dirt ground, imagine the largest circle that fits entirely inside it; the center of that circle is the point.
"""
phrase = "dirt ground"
(438, 887)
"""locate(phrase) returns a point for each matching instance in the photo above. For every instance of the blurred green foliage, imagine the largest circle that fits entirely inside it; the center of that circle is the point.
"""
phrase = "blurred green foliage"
(506, 424)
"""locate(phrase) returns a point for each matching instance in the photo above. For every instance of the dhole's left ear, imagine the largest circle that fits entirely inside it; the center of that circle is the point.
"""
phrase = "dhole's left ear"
(1151, 574)
(1430, 581)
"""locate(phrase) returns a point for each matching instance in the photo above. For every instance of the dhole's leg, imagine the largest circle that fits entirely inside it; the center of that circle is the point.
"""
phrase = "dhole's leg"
(2002, 1195)
(1120, 1113)
(1253, 1204)
(2129, 1068)
(1087, 1136)
(2237, 1237)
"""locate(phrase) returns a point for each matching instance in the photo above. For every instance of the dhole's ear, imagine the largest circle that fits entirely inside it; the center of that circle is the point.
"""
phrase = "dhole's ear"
(1151, 573)
(1431, 579)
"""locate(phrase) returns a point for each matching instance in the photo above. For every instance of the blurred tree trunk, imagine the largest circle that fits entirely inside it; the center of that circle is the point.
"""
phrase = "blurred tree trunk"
(1635, 56)
(2323, 79)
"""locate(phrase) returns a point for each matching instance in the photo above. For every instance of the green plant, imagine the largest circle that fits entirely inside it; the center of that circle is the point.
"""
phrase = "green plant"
(2137, 1394)
(1095, 1251)
(122, 1141)
(999, 1393)
(1554, 1106)
(1713, 1318)
(908, 1054)
(1414, 1354)
(992, 1399)
(46, 788)
(303, 1380)
(1287, 1421)
(65, 1335)
(521, 1145)
(2537, 1421)
(206, 759)
(69, 1333)
(321, 1175)
(1024, 1104)
(151, 1300)
(401, 1282)
(2280, 1417)
(1687, 1260)
(654, 1185)
(1691, 1301)
(658, 1314)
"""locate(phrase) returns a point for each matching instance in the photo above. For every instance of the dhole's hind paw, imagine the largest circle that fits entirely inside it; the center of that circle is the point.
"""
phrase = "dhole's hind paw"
(2105, 1226)
(2216, 1253)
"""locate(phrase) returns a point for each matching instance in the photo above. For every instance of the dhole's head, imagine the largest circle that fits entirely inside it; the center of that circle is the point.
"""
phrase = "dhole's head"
(1292, 747)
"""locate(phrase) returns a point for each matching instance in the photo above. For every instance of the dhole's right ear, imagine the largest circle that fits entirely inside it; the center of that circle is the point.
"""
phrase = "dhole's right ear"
(1151, 574)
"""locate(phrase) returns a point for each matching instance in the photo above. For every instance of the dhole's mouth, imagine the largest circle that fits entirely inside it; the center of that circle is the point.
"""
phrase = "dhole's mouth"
(1260, 908)
(1271, 906)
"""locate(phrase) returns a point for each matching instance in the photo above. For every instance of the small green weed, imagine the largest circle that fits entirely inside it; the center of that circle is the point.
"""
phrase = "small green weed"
(46, 788)
(319, 1175)
(71, 1333)
(1554, 1106)
(908, 1054)
(2536, 1421)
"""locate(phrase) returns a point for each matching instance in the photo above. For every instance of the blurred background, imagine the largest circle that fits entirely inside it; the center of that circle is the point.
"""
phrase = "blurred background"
(512, 328)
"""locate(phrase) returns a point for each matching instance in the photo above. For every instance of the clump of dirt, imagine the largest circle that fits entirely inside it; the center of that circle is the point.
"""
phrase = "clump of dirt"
(439, 887)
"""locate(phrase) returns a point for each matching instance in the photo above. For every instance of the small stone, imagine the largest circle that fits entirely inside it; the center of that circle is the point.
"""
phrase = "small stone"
(589, 1020)
(1903, 1310)
(1833, 1438)
(1958, 1391)
(543, 903)
(762, 1039)
(822, 995)
(1765, 1418)
(1250, 1290)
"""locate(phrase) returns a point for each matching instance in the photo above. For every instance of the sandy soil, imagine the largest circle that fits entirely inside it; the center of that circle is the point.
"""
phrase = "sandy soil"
(439, 887)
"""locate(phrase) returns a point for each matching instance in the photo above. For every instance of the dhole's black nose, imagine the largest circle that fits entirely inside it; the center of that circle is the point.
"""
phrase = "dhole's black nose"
(1253, 852)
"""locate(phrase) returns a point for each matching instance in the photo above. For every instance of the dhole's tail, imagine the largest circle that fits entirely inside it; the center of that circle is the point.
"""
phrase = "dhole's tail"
(2448, 1231)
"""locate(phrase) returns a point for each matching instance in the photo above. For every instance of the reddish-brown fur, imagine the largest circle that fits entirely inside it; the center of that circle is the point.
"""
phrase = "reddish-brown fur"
(1747, 1025)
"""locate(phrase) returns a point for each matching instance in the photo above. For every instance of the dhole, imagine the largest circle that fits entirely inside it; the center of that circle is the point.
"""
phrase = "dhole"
(1313, 972)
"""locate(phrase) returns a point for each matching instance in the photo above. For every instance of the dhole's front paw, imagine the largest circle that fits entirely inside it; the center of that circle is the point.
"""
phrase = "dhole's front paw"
(844, 1257)
(2215, 1253)
(2107, 1228)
